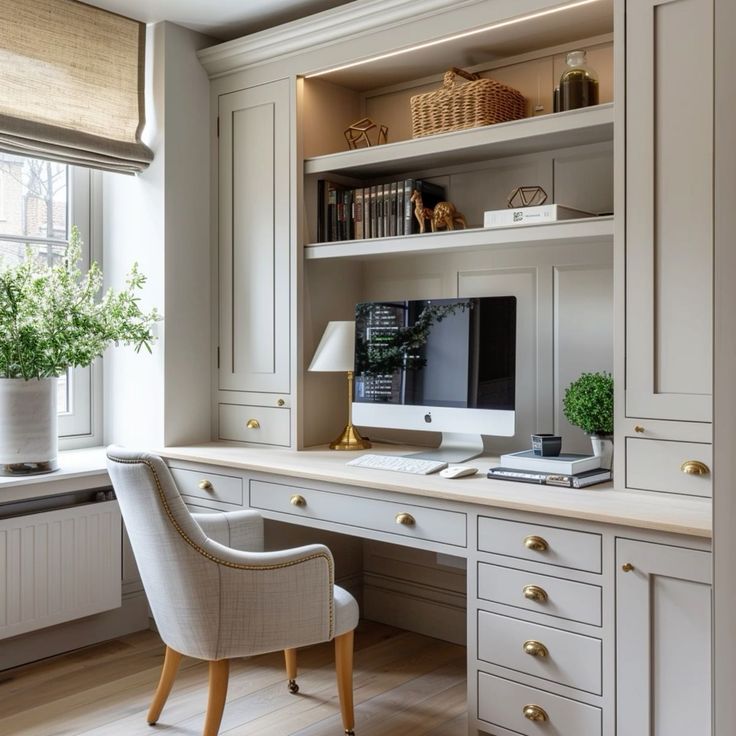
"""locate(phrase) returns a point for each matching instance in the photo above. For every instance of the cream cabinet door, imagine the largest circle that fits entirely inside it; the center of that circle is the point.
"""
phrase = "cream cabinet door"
(663, 625)
(254, 239)
(669, 208)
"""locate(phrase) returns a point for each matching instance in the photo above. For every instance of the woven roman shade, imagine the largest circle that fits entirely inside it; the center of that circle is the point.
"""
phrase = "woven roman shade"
(71, 84)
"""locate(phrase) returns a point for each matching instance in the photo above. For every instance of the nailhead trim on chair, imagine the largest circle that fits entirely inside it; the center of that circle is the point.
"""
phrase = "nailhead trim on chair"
(227, 563)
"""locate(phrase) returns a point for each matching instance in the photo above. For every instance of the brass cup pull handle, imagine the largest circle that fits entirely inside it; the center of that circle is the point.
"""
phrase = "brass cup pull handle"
(536, 544)
(253, 424)
(535, 713)
(694, 467)
(297, 500)
(535, 593)
(205, 485)
(535, 648)
(405, 519)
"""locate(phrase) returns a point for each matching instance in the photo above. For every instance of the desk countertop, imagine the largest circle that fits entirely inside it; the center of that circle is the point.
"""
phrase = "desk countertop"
(657, 511)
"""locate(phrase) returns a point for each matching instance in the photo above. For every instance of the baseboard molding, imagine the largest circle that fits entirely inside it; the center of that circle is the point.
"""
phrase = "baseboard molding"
(418, 607)
(131, 616)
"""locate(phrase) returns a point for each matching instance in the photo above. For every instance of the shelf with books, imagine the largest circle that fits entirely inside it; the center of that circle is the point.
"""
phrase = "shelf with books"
(530, 135)
(594, 229)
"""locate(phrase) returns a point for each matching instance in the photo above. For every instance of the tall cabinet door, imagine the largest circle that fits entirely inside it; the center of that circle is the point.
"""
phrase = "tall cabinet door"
(669, 208)
(663, 625)
(254, 239)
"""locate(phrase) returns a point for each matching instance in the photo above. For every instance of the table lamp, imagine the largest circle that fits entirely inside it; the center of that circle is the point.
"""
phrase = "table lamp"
(335, 354)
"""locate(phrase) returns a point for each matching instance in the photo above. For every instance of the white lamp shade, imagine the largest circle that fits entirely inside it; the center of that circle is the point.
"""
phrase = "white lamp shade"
(335, 352)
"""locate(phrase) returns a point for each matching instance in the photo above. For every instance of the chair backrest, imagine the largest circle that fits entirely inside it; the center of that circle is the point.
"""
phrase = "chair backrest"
(182, 584)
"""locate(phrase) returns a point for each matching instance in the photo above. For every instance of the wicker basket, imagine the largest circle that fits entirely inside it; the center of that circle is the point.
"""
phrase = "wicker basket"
(457, 107)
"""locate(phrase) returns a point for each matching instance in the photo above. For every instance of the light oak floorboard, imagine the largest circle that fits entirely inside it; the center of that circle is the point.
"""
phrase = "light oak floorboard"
(404, 685)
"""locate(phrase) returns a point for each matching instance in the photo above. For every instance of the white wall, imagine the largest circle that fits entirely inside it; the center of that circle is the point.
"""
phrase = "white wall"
(160, 219)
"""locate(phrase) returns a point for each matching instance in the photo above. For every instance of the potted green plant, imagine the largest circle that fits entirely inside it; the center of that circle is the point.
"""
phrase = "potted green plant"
(52, 318)
(588, 404)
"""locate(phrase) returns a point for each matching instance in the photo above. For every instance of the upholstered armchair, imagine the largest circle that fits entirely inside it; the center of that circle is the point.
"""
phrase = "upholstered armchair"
(215, 595)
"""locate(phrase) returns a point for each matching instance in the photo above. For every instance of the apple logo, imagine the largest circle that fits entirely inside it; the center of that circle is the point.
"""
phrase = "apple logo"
(428, 417)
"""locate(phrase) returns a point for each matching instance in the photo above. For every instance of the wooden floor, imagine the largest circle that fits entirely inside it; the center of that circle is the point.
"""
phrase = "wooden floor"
(405, 685)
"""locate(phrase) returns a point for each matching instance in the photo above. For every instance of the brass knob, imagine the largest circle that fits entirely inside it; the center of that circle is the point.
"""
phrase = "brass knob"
(205, 485)
(535, 593)
(627, 567)
(405, 519)
(639, 429)
(694, 467)
(535, 713)
(253, 424)
(535, 648)
(280, 402)
(297, 500)
(536, 544)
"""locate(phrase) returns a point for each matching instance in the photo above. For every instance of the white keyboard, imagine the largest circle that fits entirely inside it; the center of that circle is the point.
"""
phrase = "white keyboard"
(398, 464)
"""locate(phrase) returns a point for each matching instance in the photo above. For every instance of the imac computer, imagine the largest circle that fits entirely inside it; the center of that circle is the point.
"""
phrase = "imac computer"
(443, 365)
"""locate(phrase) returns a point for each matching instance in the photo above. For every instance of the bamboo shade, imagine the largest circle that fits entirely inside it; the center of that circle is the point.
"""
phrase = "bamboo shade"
(71, 84)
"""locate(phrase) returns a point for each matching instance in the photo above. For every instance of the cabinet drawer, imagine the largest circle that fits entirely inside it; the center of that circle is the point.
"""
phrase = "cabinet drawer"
(436, 525)
(656, 465)
(561, 598)
(503, 703)
(546, 544)
(565, 658)
(208, 486)
(262, 424)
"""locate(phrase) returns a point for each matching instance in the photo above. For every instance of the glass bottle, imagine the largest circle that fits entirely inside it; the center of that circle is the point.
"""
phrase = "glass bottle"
(578, 83)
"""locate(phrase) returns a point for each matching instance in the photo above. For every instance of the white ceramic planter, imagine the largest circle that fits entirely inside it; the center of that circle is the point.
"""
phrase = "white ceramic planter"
(28, 426)
(603, 448)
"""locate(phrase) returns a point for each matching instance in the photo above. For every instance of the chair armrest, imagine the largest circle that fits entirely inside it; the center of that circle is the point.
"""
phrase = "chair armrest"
(240, 530)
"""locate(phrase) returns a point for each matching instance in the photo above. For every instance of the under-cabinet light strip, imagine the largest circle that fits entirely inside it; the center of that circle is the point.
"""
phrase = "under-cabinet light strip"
(446, 39)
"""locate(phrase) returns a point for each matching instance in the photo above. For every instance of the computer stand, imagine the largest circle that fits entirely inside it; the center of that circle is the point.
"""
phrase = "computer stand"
(454, 448)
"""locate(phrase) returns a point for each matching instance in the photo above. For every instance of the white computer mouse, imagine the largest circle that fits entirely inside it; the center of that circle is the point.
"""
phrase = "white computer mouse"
(458, 471)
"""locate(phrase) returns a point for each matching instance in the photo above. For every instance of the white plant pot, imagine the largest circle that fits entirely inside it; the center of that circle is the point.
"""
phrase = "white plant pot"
(603, 448)
(28, 426)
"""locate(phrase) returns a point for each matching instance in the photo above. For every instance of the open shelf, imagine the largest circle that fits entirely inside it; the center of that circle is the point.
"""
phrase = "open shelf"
(530, 135)
(595, 229)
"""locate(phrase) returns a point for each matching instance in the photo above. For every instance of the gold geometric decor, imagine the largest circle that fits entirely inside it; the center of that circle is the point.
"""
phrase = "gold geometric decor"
(527, 197)
(357, 136)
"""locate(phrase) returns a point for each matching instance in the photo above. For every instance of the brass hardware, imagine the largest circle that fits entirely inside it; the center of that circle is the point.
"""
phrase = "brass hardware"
(536, 544)
(253, 424)
(405, 519)
(280, 402)
(639, 429)
(535, 713)
(535, 648)
(627, 567)
(694, 467)
(535, 593)
(297, 500)
(205, 485)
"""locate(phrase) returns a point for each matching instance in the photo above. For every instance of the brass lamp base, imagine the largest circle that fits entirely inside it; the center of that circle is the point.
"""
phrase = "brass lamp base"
(350, 439)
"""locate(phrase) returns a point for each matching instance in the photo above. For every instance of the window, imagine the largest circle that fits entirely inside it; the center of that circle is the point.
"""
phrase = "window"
(41, 200)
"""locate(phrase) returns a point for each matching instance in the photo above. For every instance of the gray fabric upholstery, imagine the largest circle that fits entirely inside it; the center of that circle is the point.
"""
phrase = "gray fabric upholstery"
(213, 592)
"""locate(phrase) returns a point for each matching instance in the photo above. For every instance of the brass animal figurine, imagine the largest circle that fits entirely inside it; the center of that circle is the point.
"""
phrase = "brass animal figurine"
(444, 214)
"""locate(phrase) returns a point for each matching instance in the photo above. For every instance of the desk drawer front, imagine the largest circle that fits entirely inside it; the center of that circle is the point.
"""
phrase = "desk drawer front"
(446, 527)
(552, 654)
(209, 486)
(540, 593)
(502, 702)
(264, 425)
(546, 544)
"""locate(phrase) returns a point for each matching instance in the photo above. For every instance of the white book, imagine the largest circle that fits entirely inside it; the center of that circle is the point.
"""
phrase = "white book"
(532, 215)
(564, 464)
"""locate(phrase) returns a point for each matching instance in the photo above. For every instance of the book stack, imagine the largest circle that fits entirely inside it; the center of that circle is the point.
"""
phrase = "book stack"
(567, 470)
(377, 211)
(532, 215)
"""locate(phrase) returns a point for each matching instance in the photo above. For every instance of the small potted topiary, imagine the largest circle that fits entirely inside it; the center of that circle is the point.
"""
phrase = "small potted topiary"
(588, 404)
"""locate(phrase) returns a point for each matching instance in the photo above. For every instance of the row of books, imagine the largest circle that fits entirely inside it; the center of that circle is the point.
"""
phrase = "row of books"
(377, 211)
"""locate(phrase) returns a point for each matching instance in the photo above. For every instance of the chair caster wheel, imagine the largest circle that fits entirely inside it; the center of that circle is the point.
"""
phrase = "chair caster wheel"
(293, 687)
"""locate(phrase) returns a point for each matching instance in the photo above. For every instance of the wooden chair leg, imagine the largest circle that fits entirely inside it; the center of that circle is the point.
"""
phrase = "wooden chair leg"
(290, 657)
(219, 673)
(344, 670)
(168, 674)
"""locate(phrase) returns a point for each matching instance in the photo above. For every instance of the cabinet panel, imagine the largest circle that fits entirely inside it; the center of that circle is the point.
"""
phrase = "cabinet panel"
(669, 203)
(254, 239)
(663, 620)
